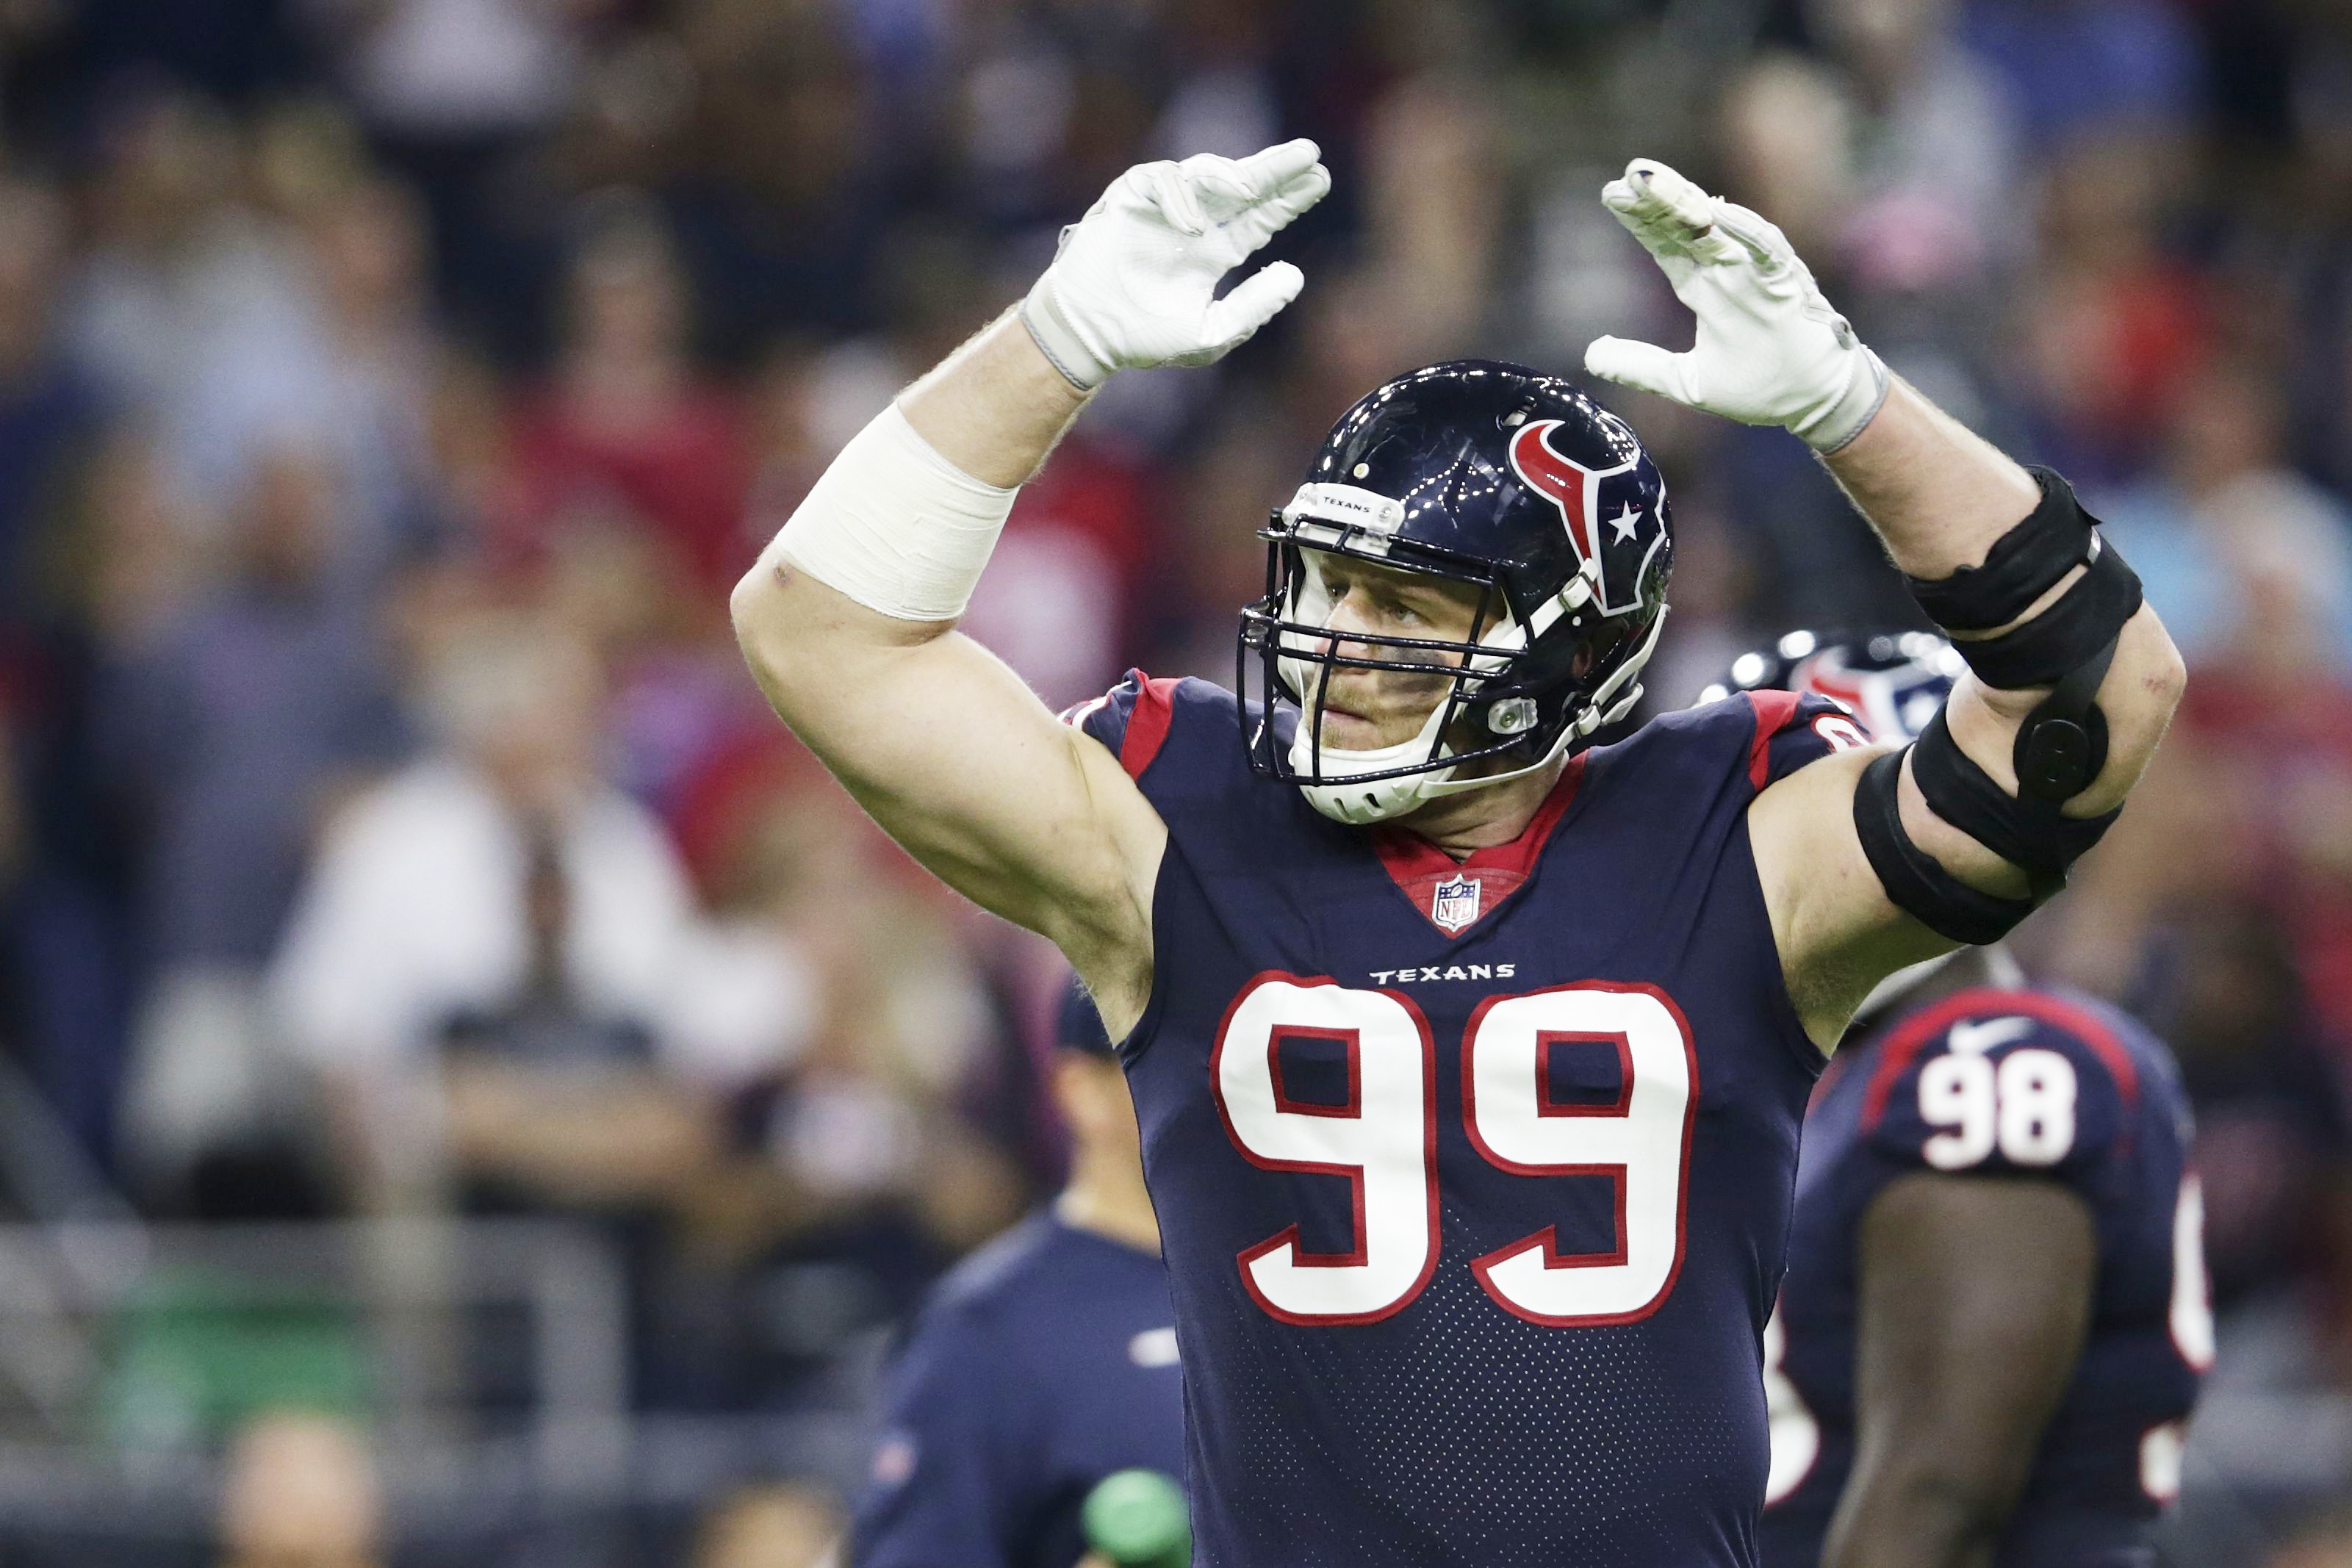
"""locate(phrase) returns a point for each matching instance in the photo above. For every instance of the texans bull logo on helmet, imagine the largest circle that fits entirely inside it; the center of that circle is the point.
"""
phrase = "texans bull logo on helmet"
(1610, 514)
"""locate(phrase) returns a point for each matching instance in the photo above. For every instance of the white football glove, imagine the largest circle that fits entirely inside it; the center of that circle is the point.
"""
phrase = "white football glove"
(1770, 351)
(1134, 282)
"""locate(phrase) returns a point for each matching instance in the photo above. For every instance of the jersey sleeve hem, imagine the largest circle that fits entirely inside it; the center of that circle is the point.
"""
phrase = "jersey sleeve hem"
(1131, 719)
(1792, 730)
(1773, 710)
(1147, 726)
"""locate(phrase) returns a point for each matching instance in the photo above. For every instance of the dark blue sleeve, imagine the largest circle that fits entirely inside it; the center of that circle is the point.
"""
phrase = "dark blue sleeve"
(2003, 1083)
(1132, 719)
(947, 1482)
(1792, 730)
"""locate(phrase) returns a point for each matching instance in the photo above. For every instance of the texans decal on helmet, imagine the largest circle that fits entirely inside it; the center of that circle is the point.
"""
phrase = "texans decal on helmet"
(1618, 497)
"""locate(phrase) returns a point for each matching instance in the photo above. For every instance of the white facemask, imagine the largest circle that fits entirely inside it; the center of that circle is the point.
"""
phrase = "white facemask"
(1379, 800)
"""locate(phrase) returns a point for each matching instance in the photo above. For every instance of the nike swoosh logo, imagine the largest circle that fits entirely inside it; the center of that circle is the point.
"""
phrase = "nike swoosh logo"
(1978, 1036)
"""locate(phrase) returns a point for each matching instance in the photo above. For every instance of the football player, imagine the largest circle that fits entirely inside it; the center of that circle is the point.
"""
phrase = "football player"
(1995, 1314)
(1469, 1063)
(1043, 1363)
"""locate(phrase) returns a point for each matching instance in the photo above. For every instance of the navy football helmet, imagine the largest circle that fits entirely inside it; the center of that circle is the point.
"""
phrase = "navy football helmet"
(1893, 682)
(1481, 473)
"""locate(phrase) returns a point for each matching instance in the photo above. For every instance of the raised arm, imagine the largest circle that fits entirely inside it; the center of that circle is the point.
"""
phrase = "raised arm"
(847, 620)
(1869, 863)
(933, 734)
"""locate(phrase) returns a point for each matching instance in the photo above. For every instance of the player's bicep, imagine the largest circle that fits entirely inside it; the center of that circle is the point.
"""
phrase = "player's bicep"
(1025, 814)
(1974, 1301)
(957, 759)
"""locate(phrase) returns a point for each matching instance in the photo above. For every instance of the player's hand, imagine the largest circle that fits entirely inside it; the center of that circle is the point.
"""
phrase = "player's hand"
(1770, 351)
(1134, 283)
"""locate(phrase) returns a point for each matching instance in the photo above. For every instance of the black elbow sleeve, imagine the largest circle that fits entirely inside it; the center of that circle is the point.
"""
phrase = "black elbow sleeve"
(1915, 880)
(2062, 745)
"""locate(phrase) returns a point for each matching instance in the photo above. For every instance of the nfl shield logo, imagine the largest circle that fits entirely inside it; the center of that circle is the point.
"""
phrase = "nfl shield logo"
(1456, 903)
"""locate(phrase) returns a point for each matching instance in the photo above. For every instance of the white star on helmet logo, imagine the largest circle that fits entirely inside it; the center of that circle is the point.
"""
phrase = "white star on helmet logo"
(1625, 523)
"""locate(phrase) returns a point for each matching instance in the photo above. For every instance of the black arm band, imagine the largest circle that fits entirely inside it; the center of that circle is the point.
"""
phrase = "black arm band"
(2027, 830)
(2022, 564)
(2084, 621)
(1914, 879)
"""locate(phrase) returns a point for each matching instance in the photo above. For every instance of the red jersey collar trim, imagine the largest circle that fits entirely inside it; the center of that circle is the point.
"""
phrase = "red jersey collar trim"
(1413, 863)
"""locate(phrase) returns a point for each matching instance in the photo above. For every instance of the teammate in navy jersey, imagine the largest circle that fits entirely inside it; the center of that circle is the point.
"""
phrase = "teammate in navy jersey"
(1995, 1314)
(1046, 1362)
(1469, 1063)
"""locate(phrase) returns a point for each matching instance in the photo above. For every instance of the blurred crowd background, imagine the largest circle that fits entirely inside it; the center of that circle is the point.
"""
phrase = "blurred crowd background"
(472, 1091)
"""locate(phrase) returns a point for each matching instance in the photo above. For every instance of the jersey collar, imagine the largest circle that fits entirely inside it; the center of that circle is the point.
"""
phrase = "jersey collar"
(1454, 896)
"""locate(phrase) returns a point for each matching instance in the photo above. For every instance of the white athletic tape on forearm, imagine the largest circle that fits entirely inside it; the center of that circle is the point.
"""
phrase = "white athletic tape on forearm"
(896, 526)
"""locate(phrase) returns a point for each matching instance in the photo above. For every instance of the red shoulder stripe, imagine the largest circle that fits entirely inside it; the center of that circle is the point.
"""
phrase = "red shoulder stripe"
(1147, 726)
(1914, 1032)
(1773, 712)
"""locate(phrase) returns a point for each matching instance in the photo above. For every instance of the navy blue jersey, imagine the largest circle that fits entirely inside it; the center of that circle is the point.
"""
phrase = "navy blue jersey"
(2009, 1083)
(1044, 1363)
(1474, 1180)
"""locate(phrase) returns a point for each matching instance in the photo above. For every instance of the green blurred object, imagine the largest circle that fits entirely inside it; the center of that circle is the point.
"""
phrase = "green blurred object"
(1138, 1519)
(197, 1353)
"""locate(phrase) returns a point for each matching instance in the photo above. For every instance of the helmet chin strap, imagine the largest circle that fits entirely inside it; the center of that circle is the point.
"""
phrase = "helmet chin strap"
(1381, 799)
